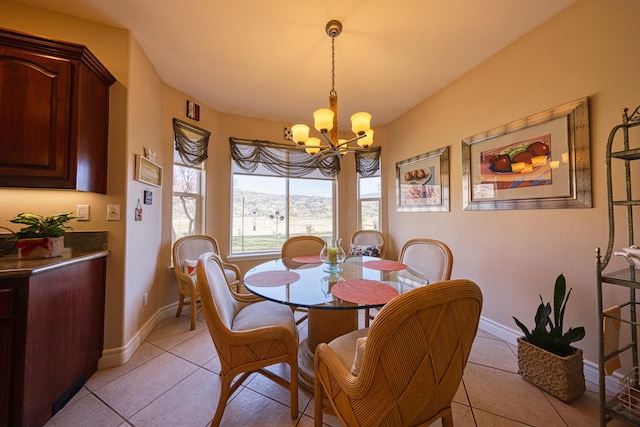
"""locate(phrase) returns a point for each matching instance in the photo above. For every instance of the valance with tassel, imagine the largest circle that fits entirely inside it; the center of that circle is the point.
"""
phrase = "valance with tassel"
(293, 161)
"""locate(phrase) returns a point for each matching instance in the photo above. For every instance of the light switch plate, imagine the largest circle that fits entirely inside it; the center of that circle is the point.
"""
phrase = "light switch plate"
(113, 212)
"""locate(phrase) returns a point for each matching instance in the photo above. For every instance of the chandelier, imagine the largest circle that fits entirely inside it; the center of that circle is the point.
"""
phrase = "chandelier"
(326, 119)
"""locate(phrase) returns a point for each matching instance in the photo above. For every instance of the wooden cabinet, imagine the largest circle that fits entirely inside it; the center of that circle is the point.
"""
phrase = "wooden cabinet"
(6, 328)
(54, 114)
(51, 337)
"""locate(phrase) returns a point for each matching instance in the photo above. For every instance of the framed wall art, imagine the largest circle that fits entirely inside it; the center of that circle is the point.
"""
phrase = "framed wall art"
(541, 161)
(422, 182)
(193, 110)
(147, 171)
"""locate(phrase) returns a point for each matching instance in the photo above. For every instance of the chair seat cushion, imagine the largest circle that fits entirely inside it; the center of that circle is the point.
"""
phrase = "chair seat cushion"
(230, 275)
(345, 346)
(263, 314)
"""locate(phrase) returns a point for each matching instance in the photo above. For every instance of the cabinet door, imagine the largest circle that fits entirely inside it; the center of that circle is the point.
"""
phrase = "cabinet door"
(6, 328)
(35, 106)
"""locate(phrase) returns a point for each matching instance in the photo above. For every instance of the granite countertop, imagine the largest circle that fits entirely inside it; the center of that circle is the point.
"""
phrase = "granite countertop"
(12, 266)
(79, 246)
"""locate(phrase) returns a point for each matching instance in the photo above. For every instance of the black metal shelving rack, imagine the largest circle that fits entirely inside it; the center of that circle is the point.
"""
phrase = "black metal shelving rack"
(629, 277)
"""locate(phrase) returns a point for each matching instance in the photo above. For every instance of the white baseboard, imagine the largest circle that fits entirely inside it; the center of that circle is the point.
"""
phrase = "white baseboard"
(509, 335)
(120, 355)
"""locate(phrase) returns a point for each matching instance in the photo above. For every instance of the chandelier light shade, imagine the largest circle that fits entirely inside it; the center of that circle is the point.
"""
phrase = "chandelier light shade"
(360, 123)
(326, 119)
(323, 119)
(312, 145)
(300, 133)
(367, 139)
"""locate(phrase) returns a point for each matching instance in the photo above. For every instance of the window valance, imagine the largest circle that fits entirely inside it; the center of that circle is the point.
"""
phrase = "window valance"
(294, 161)
(191, 142)
(368, 161)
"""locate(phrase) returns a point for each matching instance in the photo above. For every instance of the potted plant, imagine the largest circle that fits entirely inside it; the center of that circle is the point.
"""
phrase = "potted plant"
(545, 355)
(43, 236)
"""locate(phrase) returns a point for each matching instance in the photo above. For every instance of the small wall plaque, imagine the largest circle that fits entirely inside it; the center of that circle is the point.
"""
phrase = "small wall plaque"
(148, 171)
(193, 110)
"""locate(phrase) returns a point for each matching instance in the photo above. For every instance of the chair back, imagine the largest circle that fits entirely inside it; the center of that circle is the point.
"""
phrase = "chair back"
(302, 245)
(364, 238)
(191, 247)
(218, 304)
(430, 257)
(415, 355)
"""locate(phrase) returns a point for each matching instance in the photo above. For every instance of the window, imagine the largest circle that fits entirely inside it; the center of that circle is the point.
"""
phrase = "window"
(369, 210)
(267, 210)
(189, 154)
(187, 213)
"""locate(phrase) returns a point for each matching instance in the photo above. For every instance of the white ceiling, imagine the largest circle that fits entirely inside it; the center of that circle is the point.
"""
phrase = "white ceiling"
(271, 59)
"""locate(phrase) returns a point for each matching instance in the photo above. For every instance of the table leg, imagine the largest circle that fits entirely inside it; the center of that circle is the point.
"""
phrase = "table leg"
(322, 326)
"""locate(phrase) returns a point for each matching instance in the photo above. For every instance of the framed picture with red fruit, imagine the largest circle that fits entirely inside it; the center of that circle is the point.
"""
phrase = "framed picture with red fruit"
(541, 161)
(422, 182)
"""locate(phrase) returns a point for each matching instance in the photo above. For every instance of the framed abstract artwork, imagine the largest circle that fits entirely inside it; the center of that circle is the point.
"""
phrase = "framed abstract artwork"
(541, 161)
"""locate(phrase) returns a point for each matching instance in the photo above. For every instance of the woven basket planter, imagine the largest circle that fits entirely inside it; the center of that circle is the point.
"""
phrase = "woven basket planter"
(562, 377)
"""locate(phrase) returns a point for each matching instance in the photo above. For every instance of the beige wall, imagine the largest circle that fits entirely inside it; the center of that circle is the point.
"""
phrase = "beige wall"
(110, 45)
(144, 262)
(513, 255)
(586, 50)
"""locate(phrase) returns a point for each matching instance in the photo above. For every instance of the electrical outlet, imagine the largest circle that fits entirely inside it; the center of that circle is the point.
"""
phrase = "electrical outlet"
(113, 212)
(82, 212)
(145, 299)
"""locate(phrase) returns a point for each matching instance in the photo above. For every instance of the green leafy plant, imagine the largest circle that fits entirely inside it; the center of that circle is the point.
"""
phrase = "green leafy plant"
(547, 333)
(42, 226)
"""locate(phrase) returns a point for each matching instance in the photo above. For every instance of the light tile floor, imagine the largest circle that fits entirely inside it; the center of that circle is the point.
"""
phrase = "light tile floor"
(172, 380)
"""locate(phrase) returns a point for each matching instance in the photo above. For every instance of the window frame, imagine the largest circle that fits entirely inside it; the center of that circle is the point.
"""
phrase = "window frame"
(287, 222)
(360, 200)
(198, 196)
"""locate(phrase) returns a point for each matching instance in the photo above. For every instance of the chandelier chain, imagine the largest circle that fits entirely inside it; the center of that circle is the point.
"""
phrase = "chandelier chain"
(333, 66)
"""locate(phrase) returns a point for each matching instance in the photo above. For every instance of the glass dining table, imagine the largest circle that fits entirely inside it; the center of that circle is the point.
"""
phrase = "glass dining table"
(332, 299)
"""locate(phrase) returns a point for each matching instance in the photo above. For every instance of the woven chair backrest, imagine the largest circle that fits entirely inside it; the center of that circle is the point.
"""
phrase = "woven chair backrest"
(302, 245)
(416, 353)
(369, 238)
(191, 247)
(430, 257)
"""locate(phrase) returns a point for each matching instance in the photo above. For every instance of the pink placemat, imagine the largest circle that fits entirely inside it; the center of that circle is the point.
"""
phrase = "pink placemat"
(384, 265)
(271, 278)
(307, 259)
(364, 292)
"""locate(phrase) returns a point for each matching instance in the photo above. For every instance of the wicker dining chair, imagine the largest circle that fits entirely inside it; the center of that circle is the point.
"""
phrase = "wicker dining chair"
(412, 360)
(429, 257)
(370, 243)
(186, 251)
(248, 333)
(301, 246)
(367, 242)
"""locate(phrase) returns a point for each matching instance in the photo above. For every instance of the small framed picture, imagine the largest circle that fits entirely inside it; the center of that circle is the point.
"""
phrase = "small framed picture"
(422, 182)
(193, 110)
(148, 197)
(147, 171)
